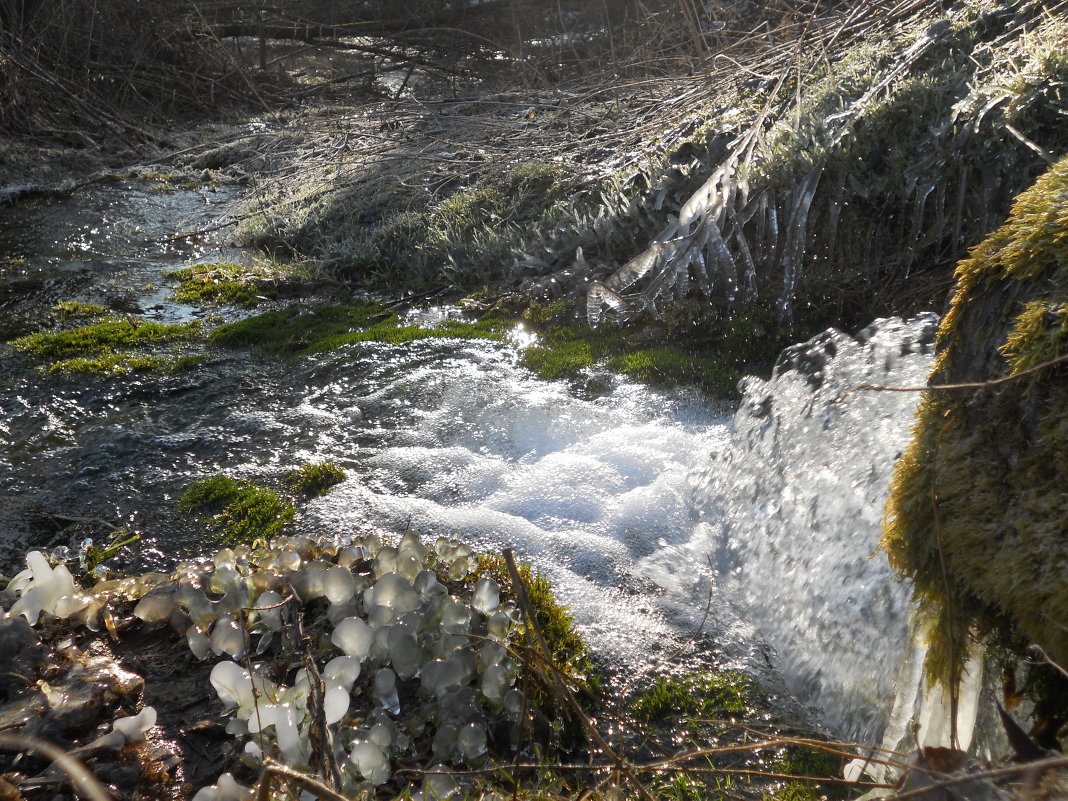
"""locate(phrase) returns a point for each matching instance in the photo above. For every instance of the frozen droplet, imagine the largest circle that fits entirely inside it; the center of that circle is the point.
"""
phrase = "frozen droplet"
(381, 734)
(486, 596)
(471, 741)
(495, 683)
(223, 579)
(411, 545)
(490, 654)
(231, 682)
(269, 608)
(404, 652)
(342, 671)
(384, 688)
(225, 558)
(456, 617)
(134, 728)
(156, 606)
(393, 591)
(338, 585)
(228, 637)
(353, 636)
(514, 703)
(438, 784)
(498, 625)
(335, 703)
(428, 586)
(444, 744)
(409, 566)
(385, 561)
(197, 605)
(287, 561)
(226, 788)
(199, 642)
(370, 762)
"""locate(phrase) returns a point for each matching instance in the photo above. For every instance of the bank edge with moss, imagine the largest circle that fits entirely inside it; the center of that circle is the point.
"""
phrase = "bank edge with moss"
(978, 514)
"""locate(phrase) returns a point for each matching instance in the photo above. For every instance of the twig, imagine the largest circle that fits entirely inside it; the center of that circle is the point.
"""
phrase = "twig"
(993, 382)
(83, 780)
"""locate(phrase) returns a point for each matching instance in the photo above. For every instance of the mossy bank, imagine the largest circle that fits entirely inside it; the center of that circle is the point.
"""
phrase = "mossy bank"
(978, 514)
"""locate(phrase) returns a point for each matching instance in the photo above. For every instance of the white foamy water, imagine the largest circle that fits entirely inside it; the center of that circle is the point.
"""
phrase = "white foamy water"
(594, 492)
(641, 505)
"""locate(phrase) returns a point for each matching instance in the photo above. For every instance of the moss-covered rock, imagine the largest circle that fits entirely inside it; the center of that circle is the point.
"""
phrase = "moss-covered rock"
(978, 513)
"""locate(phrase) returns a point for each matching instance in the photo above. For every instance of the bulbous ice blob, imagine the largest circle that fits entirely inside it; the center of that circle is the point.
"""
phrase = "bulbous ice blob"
(393, 591)
(335, 703)
(342, 671)
(384, 688)
(287, 561)
(199, 642)
(428, 586)
(471, 741)
(197, 605)
(438, 784)
(67, 606)
(486, 596)
(223, 579)
(456, 618)
(335, 613)
(269, 608)
(44, 588)
(354, 637)
(339, 585)
(441, 675)
(225, 558)
(411, 545)
(134, 728)
(155, 607)
(225, 789)
(514, 703)
(444, 744)
(385, 561)
(491, 654)
(498, 625)
(235, 687)
(381, 734)
(496, 681)
(409, 566)
(404, 652)
(370, 762)
(228, 637)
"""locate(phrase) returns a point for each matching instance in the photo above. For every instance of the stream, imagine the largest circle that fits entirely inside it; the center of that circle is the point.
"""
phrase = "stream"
(645, 507)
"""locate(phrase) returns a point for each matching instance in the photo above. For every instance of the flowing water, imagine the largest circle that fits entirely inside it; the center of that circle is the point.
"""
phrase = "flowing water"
(645, 507)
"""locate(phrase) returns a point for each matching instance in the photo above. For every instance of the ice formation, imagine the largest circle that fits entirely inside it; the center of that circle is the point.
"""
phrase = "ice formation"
(402, 621)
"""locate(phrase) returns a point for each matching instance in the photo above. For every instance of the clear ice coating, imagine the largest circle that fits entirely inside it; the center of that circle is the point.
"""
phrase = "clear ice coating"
(792, 512)
(486, 596)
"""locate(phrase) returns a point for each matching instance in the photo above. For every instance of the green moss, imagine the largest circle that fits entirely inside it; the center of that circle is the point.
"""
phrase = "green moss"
(102, 338)
(556, 622)
(977, 512)
(814, 764)
(324, 328)
(117, 364)
(220, 283)
(245, 511)
(314, 479)
(708, 694)
(565, 350)
(78, 310)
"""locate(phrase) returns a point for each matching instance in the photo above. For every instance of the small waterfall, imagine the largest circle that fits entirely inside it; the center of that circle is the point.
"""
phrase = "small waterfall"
(792, 510)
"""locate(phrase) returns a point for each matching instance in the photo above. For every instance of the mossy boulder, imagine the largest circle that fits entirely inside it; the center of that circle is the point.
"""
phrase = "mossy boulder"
(978, 512)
